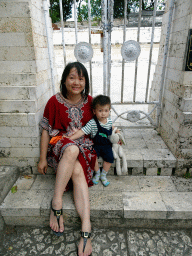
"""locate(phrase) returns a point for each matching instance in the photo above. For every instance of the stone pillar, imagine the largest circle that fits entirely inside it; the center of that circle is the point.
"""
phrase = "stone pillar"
(176, 119)
(25, 81)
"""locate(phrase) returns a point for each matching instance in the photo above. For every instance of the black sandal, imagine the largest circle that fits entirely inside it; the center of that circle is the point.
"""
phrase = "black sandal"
(85, 236)
(57, 213)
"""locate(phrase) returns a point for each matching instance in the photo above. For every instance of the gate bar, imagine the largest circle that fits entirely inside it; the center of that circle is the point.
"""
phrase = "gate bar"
(151, 49)
(90, 62)
(105, 52)
(75, 18)
(62, 30)
(110, 22)
(134, 103)
(46, 5)
(136, 63)
(124, 39)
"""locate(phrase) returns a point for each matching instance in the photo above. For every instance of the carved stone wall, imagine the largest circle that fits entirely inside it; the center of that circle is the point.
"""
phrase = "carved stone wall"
(25, 81)
(176, 119)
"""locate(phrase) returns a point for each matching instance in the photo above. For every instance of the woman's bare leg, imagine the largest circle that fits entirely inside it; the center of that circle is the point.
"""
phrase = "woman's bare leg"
(81, 198)
(64, 173)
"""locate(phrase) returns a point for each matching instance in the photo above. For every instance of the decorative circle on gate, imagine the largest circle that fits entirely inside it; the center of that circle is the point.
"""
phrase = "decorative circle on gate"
(133, 116)
(83, 52)
(130, 50)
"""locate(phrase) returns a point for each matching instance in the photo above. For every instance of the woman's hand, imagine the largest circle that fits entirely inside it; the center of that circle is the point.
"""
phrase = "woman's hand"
(42, 166)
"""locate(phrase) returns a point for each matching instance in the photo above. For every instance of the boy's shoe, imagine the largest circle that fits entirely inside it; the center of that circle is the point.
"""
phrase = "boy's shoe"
(96, 177)
(105, 182)
(104, 178)
(95, 181)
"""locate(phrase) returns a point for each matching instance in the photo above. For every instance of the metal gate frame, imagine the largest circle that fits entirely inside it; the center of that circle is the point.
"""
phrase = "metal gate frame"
(133, 116)
(107, 23)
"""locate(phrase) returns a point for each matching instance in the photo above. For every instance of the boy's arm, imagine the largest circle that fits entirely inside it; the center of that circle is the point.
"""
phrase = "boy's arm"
(84, 130)
(77, 135)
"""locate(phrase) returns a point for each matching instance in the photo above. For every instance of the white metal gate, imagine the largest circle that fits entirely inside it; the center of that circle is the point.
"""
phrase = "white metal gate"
(121, 106)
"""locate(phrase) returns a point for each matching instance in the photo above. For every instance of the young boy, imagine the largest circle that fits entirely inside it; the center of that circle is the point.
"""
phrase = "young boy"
(100, 127)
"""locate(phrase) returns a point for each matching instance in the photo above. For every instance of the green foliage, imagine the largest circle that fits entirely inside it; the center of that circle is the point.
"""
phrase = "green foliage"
(79, 18)
(55, 10)
(96, 19)
(83, 11)
(187, 175)
(132, 6)
(14, 189)
(95, 9)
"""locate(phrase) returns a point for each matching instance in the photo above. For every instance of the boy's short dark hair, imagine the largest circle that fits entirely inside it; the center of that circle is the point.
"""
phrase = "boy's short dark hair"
(101, 100)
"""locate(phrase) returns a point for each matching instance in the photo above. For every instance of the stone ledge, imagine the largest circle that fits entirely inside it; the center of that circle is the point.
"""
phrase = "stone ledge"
(127, 198)
(8, 176)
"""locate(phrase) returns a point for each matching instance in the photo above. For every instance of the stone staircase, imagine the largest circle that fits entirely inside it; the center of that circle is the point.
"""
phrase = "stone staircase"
(139, 199)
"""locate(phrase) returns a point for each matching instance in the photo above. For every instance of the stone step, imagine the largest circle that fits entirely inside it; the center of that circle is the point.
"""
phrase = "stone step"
(8, 176)
(17, 92)
(147, 192)
(17, 106)
(136, 201)
(146, 154)
(186, 104)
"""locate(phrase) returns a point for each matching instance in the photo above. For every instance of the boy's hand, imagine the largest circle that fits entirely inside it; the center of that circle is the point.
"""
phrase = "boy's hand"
(117, 131)
(64, 136)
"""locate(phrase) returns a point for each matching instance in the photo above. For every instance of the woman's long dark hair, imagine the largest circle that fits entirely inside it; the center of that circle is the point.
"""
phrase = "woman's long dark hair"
(81, 70)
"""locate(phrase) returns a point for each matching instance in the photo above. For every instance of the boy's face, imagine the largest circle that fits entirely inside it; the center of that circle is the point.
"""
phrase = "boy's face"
(102, 112)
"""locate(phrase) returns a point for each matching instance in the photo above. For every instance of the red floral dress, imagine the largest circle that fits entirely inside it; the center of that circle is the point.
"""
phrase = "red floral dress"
(60, 117)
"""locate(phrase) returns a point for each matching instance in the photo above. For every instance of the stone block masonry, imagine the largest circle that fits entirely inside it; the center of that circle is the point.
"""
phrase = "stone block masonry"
(176, 115)
(25, 81)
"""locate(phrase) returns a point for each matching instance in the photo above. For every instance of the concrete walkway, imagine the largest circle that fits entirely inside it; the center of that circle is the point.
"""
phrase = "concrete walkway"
(25, 241)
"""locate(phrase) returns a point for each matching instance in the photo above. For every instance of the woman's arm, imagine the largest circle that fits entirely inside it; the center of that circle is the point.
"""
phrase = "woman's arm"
(77, 135)
(42, 166)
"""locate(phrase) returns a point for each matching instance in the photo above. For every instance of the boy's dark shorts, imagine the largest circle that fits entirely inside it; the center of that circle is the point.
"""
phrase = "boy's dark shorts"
(105, 151)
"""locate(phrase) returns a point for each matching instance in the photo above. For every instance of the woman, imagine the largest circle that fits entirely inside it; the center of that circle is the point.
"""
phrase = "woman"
(73, 161)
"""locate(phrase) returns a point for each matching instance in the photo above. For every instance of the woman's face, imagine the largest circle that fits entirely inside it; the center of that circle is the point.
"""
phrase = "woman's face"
(74, 83)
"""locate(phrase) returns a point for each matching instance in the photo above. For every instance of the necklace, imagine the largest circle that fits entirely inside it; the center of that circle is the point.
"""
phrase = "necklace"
(74, 100)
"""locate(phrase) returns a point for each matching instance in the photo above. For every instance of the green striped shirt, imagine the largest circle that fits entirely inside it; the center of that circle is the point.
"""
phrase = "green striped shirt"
(91, 127)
